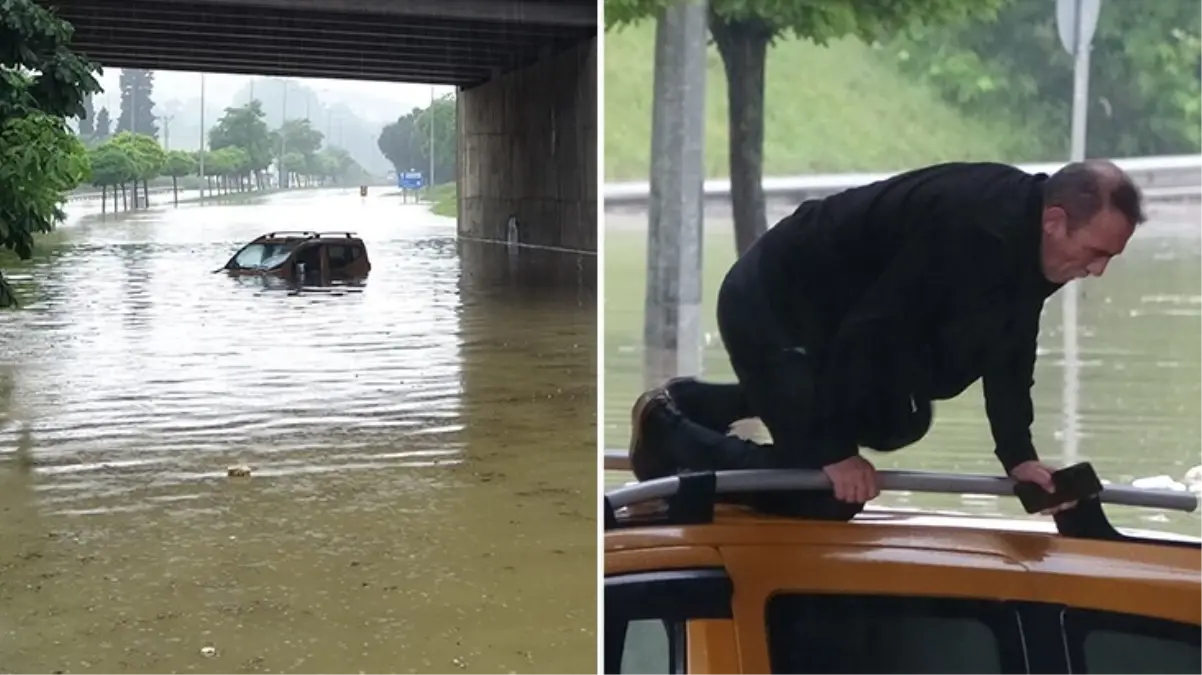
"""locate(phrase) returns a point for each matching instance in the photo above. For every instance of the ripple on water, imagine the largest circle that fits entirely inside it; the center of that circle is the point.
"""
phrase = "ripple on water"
(421, 451)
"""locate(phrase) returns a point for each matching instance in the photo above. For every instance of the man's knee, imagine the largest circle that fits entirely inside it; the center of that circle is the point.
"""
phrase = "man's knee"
(898, 427)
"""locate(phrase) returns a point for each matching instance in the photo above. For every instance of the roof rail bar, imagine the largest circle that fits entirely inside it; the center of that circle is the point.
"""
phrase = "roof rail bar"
(279, 232)
(343, 233)
(774, 480)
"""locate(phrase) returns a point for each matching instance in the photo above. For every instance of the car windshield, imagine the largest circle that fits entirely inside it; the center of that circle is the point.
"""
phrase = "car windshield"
(264, 256)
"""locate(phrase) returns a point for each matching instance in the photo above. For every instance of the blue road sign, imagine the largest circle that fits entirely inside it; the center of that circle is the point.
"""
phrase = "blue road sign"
(410, 180)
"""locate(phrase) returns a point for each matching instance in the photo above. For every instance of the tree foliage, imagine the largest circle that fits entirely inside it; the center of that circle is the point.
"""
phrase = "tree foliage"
(744, 29)
(103, 128)
(245, 127)
(137, 103)
(1145, 97)
(817, 20)
(112, 166)
(406, 142)
(179, 164)
(42, 83)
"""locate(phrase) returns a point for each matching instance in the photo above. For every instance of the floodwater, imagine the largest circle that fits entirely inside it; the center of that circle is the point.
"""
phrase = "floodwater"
(1138, 382)
(422, 492)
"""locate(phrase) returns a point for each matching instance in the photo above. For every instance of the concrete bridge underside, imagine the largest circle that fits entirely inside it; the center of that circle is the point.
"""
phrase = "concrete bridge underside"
(526, 71)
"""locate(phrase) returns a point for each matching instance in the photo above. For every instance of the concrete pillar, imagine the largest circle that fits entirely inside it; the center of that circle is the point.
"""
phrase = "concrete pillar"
(672, 328)
(528, 153)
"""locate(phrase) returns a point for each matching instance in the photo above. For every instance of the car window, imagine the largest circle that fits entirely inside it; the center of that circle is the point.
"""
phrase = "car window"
(647, 648)
(256, 255)
(829, 633)
(1109, 642)
(646, 614)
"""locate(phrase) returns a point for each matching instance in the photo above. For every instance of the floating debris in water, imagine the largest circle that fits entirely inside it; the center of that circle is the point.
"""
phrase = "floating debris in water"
(208, 651)
(238, 471)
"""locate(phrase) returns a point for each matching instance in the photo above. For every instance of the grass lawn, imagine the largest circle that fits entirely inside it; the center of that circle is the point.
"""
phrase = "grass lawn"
(446, 200)
(829, 109)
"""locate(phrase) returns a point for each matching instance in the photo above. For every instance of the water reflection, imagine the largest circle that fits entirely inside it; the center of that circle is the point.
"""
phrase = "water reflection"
(421, 445)
(1140, 389)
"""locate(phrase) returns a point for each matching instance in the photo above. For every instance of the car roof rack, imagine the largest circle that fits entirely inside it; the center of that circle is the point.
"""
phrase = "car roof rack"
(309, 234)
(692, 496)
(277, 233)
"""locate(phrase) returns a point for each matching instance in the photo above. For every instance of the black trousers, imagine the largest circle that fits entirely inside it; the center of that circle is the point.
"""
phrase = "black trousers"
(777, 372)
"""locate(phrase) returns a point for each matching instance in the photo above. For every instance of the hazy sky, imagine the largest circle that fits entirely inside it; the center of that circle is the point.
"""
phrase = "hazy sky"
(375, 101)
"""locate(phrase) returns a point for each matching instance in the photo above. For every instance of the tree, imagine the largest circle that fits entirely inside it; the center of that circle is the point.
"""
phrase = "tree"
(446, 155)
(244, 127)
(1144, 92)
(400, 144)
(339, 166)
(744, 29)
(299, 142)
(178, 165)
(148, 157)
(137, 103)
(406, 142)
(104, 126)
(42, 84)
(111, 166)
(228, 163)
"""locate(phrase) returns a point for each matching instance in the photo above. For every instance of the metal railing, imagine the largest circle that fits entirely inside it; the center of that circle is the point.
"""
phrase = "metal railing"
(90, 195)
(1167, 177)
(911, 481)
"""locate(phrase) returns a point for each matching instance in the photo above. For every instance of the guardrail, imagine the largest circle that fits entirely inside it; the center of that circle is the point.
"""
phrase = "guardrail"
(91, 196)
(1166, 177)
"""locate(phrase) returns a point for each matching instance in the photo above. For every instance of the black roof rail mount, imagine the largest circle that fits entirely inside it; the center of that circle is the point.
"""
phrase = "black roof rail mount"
(691, 496)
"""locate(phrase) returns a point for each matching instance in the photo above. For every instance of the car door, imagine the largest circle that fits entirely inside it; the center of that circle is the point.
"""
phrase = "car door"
(1131, 608)
(668, 610)
(888, 606)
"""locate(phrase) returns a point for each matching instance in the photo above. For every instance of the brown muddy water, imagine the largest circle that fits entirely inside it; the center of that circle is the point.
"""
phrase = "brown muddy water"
(422, 494)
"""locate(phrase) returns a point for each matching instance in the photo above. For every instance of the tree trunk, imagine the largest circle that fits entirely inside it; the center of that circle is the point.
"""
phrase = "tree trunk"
(175, 190)
(104, 199)
(8, 298)
(146, 193)
(744, 49)
(124, 198)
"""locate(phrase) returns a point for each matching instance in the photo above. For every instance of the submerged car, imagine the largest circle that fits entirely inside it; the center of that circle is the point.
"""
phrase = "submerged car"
(303, 257)
(695, 586)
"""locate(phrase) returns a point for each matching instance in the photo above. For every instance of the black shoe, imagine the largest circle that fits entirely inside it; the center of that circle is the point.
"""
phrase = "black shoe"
(713, 406)
(650, 455)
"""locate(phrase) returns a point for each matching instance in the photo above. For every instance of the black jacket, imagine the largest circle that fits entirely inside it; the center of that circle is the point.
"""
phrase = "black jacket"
(925, 281)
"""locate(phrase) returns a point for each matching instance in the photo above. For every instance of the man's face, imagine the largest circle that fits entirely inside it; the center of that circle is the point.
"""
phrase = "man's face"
(1069, 253)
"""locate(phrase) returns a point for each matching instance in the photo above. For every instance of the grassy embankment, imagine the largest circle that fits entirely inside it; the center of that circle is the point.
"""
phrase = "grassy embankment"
(445, 200)
(832, 109)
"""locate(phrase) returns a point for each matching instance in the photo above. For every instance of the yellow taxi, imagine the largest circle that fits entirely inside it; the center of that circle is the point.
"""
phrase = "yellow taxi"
(695, 586)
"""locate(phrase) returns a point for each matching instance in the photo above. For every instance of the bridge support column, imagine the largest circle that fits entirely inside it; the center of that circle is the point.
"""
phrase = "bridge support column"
(528, 154)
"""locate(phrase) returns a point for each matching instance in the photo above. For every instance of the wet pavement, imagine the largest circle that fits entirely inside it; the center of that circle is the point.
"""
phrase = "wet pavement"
(422, 454)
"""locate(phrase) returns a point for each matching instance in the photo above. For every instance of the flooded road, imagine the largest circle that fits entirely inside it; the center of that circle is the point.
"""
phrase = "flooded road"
(1138, 380)
(422, 495)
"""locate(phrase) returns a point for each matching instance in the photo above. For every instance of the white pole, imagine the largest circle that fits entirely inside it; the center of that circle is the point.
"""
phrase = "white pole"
(202, 137)
(283, 142)
(430, 185)
(1072, 363)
